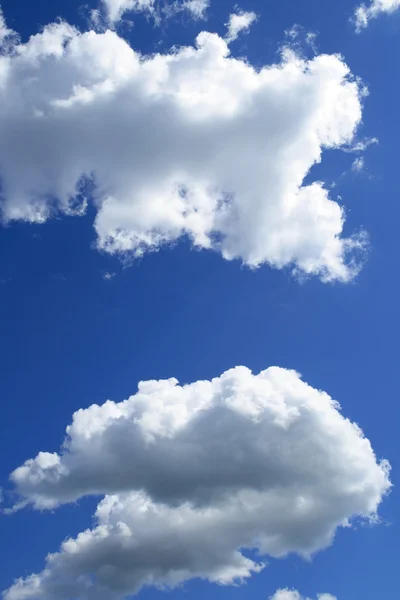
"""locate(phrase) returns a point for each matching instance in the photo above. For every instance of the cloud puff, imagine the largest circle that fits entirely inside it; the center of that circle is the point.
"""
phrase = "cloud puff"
(191, 143)
(295, 595)
(116, 8)
(358, 164)
(239, 22)
(365, 12)
(193, 475)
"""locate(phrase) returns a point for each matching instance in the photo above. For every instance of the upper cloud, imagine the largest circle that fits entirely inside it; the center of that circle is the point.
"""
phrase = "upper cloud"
(115, 9)
(192, 143)
(365, 12)
(193, 475)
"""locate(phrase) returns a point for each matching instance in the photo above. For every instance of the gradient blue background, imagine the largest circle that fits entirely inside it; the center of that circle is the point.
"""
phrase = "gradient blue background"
(69, 338)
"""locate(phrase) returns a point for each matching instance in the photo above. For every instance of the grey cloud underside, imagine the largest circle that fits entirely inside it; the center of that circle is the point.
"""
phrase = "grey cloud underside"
(191, 143)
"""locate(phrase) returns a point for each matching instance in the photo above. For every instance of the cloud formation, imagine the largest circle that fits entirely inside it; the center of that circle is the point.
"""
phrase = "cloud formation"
(193, 475)
(365, 12)
(239, 22)
(197, 8)
(358, 164)
(116, 9)
(190, 143)
(7, 36)
(287, 594)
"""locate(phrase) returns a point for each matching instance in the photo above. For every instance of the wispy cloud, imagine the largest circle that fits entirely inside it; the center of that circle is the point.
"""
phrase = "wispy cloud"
(366, 12)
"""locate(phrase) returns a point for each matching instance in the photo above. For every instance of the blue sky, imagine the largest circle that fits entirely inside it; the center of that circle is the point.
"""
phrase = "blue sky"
(72, 337)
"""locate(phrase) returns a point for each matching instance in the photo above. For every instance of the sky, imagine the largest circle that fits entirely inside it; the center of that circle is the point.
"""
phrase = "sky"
(199, 299)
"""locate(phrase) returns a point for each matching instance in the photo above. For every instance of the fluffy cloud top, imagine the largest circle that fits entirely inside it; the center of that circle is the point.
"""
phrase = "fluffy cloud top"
(295, 595)
(193, 474)
(239, 22)
(192, 143)
(365, 12)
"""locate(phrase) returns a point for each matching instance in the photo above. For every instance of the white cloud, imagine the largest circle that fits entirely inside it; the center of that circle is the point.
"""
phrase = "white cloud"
(297, 38)
(116, 8)
(197, 8)
(4, 31)
(362, 145)
(193, 475)
(239, 22)
(365, 12)
(8, 37)
(137, 543)
(295, 595)
(358, 164)
(191, 143)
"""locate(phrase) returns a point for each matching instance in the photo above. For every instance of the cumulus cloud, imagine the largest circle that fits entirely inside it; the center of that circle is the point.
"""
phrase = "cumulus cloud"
(295, 595)
(192, 475)
(239, 22)
(190, 143)
(365, 12)
(172, 434)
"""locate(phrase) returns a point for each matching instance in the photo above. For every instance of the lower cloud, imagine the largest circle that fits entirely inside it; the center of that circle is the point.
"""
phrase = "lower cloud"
(194, 477)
